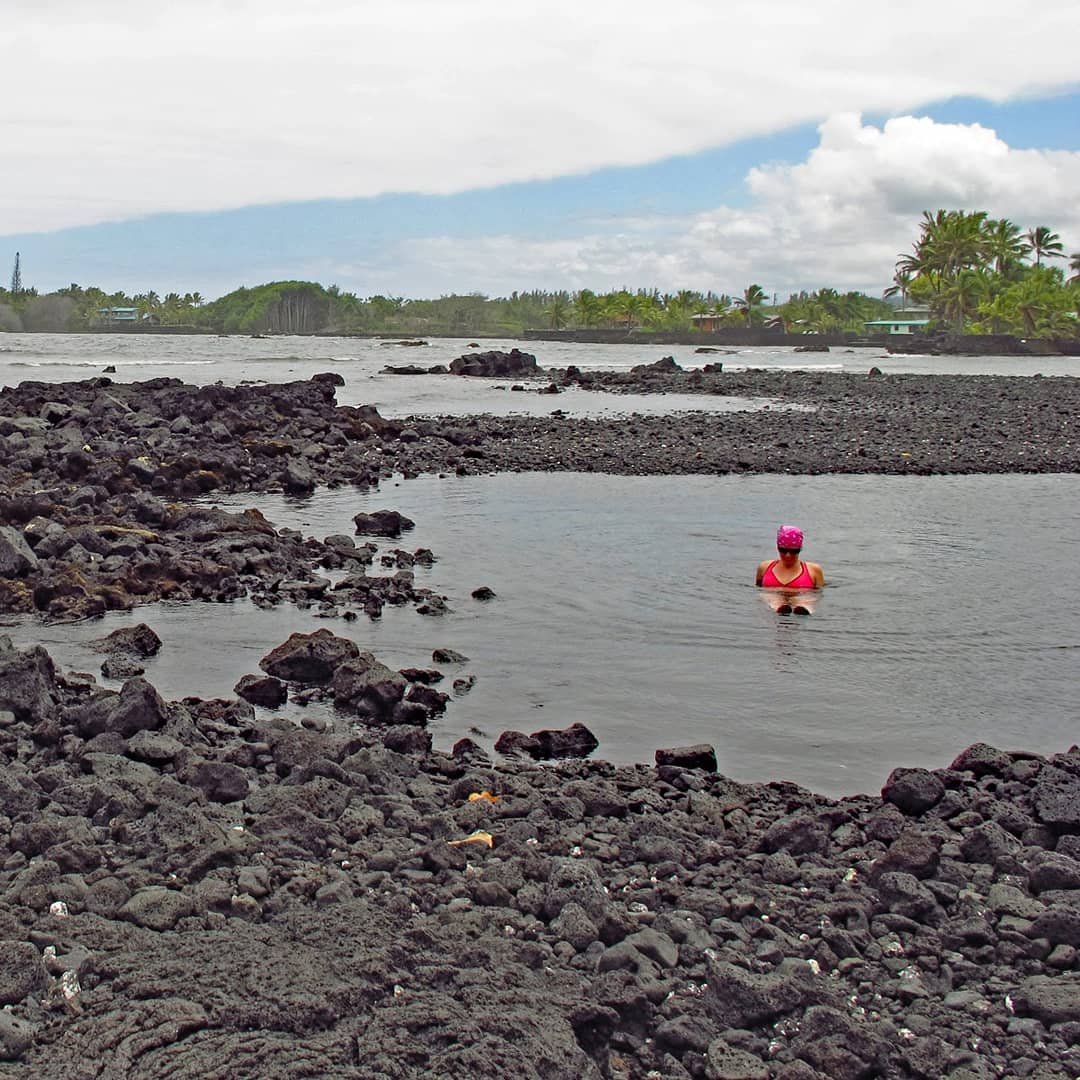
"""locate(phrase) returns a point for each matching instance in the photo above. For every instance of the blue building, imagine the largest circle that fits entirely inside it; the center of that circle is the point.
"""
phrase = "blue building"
(118, 314)
(896, 326)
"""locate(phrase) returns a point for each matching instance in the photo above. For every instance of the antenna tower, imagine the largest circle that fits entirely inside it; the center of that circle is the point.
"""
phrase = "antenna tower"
(16, 279)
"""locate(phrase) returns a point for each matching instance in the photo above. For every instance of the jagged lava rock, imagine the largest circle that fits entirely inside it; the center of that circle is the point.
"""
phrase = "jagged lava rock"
(309, 658)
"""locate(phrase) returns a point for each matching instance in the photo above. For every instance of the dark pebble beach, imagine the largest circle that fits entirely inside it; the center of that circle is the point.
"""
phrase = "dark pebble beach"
(199, 888)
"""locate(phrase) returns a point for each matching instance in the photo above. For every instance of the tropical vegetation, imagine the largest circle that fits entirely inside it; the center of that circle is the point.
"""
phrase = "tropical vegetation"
(302, 307)
(966, 272)
(980, 275)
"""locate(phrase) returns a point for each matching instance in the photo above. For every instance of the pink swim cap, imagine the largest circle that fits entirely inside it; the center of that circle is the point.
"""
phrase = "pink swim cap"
(788, 536)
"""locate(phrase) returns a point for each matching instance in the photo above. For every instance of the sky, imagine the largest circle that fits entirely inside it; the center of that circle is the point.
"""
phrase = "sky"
(422, 147)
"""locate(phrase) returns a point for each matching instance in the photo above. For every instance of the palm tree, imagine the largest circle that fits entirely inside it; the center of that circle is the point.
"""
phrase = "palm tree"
(588, 308)
(147, 304)
(172, 306)
(819, 318)
(647, 307)
(719, 307)
(621, 308)
(558, 310)
(1039, 305)
(752, 297)
(902, 280)
(949, 241)
(1044, 242)
(1031, 306)
(1074, 266)
(997, 312)
(850, 310)
(676, 309)
(1007, 245)
(961, 242)
(962, 295)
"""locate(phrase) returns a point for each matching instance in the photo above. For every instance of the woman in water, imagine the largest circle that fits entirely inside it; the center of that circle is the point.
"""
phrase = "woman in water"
(789, 572)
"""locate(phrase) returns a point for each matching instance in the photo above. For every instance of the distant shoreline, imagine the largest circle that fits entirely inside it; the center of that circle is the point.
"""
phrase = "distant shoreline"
(738, 337)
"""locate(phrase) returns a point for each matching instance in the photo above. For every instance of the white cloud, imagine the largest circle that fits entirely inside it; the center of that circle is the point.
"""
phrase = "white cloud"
(126, 108)
(840, 218)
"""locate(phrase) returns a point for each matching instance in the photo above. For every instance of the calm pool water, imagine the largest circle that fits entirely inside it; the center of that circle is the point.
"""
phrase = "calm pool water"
(627, 603)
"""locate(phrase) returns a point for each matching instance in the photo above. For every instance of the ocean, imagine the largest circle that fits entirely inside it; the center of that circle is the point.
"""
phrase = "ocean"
(627, 603)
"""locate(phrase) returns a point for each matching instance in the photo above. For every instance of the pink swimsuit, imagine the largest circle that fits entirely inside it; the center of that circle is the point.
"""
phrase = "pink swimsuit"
(804, 579)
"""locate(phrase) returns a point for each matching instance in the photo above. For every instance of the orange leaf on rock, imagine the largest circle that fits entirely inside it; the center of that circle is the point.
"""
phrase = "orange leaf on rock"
(478, 837)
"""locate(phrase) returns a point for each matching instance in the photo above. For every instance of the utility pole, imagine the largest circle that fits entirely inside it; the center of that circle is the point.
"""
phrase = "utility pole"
(16, 279)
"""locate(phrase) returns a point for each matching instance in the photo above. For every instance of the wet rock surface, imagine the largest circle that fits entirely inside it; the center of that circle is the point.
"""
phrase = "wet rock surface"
(190, 891)
(199, 888)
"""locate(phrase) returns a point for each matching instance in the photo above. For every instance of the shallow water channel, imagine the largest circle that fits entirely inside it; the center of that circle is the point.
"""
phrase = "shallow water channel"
(627, 603)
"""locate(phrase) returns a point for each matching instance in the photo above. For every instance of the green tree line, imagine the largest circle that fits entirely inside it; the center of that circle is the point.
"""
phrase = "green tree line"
(970, 272)
(301, 307)
(983, 275)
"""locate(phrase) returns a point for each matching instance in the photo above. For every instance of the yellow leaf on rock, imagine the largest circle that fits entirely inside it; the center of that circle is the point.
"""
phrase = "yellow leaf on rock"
(485, 795)
(479, 837)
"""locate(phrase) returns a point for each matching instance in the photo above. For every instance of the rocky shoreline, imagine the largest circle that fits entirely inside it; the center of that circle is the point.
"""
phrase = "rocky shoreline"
(817, 423)
(198, 888)
(191, 890)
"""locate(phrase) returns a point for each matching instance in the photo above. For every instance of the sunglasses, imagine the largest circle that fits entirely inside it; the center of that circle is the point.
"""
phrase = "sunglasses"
(789, 551)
